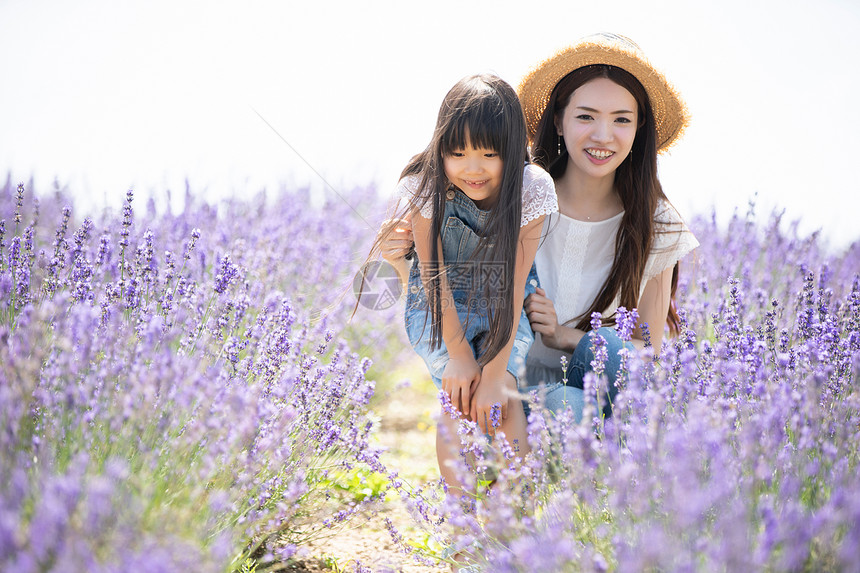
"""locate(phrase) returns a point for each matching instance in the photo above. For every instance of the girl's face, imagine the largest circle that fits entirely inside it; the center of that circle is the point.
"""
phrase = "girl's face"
(477, 172)
(598, 126)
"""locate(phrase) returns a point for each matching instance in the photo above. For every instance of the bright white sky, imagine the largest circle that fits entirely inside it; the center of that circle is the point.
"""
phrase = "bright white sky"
(106, 95)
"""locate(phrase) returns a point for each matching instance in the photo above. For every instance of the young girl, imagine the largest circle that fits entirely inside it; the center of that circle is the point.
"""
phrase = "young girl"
(476, 208)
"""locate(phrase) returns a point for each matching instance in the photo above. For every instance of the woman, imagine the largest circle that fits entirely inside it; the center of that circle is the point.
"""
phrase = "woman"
(598, 113)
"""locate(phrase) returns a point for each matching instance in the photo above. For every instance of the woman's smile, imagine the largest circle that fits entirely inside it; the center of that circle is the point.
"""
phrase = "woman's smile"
(599, 156)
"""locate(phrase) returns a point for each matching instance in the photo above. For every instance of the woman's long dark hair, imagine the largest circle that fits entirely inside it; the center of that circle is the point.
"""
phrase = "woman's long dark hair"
(635, 180)
(482, 111)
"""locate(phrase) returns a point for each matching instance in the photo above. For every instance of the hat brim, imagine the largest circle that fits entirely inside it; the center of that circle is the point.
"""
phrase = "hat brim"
(670, 113)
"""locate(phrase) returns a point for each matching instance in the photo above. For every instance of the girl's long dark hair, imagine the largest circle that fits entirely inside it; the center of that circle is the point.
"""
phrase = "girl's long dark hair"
(484, 111)
(635, 180)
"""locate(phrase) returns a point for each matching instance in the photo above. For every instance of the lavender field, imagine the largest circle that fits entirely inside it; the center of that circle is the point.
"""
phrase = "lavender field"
(188, 393)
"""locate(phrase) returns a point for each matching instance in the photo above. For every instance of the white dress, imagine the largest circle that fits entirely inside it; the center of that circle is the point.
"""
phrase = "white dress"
(573, 261)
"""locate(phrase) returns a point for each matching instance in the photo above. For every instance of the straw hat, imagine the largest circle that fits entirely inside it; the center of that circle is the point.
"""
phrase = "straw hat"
(670, 113)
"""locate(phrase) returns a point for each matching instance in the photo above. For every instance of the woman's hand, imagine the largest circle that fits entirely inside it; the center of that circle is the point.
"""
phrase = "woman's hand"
(399, 239)
(460, 378)
(543, 319)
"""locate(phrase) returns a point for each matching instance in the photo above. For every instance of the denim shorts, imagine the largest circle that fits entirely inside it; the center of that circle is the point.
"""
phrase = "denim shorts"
(476, 327)
(463, 223)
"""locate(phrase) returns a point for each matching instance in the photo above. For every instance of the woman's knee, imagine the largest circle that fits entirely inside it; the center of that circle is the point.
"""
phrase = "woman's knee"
(583, 354)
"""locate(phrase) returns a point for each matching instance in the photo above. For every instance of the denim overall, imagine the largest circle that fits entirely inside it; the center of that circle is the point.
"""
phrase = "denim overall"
(462, 223)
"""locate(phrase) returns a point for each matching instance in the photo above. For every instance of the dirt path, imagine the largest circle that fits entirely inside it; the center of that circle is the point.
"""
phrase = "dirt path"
(407, 429)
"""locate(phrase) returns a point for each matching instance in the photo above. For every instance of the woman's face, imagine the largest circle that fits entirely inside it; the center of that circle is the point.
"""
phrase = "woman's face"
(598, 126)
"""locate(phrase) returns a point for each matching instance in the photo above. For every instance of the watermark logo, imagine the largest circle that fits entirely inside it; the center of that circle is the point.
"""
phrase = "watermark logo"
(474, 275)
(377, 285)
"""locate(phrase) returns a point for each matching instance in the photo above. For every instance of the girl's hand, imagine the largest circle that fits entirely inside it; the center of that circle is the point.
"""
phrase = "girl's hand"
(399, 239)
(490, 404)
(543, 319)
(461, 376)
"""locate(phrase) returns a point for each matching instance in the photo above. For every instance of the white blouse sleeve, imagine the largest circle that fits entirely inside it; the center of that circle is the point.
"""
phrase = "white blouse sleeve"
(672, 241)
(539, 197)
(407, 188)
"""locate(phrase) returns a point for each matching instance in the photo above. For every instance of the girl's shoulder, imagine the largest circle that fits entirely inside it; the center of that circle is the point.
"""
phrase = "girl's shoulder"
(535, 176)
(408, 186)
(539, 197)
(409, 189)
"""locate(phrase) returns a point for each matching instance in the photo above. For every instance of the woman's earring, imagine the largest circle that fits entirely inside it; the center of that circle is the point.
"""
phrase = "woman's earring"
(559, 144)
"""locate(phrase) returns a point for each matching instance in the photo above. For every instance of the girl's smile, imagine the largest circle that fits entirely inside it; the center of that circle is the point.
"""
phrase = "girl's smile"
(477, 173)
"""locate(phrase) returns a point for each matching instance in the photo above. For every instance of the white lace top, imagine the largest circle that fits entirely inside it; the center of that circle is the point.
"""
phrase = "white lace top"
(538, 194)
(575, 258)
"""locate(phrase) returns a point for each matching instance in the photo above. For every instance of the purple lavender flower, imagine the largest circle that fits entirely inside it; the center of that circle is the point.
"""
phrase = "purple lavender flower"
(127, 216)
(598, 343)
(730, 451)
(625, 322)
(227, 274)
(19, 203)
(192, 242)
(496, 415)
(102, 365)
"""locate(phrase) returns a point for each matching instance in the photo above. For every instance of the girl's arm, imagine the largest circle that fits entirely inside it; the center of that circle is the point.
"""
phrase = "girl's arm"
(398, 243)
(492, 389)
(462, 373)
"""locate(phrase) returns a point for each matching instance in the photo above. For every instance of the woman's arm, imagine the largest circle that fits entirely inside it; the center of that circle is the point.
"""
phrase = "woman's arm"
(654, 309)
(492, 389)
(462, 373)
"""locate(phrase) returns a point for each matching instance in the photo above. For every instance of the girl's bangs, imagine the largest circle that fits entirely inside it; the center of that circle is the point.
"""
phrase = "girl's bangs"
(481, 126)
